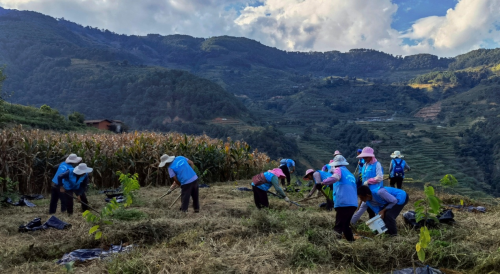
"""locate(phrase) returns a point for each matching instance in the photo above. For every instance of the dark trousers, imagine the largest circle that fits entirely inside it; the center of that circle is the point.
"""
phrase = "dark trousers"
(260, 197)
(343, 221)
(391, 215)
(287, 174)
(190, 190)
(371, 213)
(55, 196)
(398, 181)
(67, 198)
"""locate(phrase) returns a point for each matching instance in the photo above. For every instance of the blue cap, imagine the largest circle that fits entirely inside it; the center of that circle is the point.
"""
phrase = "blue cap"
(360, 150)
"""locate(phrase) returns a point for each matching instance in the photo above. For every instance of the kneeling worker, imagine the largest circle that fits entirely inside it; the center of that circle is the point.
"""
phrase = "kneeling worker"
(385, 201)
(74, 181)
(181, 170)
(262, 182)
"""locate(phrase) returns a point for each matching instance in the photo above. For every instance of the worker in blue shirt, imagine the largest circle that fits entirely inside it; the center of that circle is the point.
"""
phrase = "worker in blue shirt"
(288, 167)
(55, 194)
(180, 169)
(74, 181)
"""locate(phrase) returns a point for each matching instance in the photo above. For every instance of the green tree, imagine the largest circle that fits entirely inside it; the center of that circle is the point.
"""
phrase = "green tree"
(46, 108)
(76, 117)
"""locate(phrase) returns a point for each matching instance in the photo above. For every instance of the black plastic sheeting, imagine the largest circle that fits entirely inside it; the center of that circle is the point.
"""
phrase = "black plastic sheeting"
(82, 255)
(119, 199)
(33, 197)
(469, 208)
(419, 270)
(114, 190)
(36, 224)
(21, 202)
(244, 189)
(445, 217)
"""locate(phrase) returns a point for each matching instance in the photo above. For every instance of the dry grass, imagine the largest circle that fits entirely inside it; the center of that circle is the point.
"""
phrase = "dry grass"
(230, 236)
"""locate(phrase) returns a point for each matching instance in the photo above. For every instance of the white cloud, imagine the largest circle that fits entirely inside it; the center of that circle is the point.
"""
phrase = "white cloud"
(321, 25)
(200, 18)
(304, 25)
(464, 28)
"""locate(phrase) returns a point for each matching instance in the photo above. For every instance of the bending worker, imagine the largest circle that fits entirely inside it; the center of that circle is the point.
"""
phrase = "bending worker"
(372, 173)
(74, 181)
(288, 167)
(386, 202)
(55, 194)
(318, 176)
(261, 183)
(180, 169)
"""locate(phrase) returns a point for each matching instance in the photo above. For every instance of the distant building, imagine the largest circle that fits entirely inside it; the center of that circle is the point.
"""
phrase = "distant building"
(105, 124)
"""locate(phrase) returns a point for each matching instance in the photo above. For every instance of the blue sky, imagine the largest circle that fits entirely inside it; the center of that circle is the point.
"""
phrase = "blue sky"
(441, 27)
(410, 11)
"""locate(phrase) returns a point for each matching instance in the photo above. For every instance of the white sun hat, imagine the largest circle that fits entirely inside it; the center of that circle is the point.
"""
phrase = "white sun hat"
(81, 169)
(73, 159)
(397, 154)
(339, 160)
(165, 159)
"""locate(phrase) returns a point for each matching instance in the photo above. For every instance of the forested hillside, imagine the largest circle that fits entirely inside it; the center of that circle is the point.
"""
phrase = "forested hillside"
(303, 105)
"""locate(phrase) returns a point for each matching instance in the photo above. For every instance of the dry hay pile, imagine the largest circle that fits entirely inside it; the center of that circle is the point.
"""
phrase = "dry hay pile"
(230, 236)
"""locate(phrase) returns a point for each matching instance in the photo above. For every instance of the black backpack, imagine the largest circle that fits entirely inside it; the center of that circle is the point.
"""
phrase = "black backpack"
(399, 170)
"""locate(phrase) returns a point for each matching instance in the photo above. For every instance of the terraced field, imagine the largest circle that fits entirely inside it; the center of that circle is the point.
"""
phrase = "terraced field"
(429, 151)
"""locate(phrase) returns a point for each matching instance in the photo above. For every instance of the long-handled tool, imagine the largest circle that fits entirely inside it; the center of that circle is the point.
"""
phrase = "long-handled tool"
(82, 203)
(168, 192)
(175, 201)
(291, 202)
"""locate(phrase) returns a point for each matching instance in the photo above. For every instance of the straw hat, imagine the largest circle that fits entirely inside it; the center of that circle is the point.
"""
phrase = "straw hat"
(309, 171)
(81, 169)
(339, 160)
(397, 154)
(367, 152)
(165, 159)
(73, 159)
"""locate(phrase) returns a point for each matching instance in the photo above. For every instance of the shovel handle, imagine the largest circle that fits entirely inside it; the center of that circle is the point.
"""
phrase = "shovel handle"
(82, 203)
(175, 201)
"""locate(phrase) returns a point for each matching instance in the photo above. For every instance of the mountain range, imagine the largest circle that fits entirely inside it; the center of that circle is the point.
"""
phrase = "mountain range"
(442, 113)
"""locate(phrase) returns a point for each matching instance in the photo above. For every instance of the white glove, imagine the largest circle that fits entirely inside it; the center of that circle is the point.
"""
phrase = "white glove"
(365, 183)
(287, 199)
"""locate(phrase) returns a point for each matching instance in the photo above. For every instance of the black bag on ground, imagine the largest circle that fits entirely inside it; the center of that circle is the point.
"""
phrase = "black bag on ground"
(36, 224)
(419, 270)
(446, 217)
(410, 218)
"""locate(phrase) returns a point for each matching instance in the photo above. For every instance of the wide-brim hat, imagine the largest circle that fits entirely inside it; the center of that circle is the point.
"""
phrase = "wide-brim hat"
(397, 154)
(73, 159)
(278, 172)
(165, 159)
(309, 171)
(81, 169)
(339, 160)
(367, 152)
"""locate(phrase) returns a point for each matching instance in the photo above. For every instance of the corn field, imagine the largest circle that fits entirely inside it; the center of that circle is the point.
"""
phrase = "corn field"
(31, 157)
